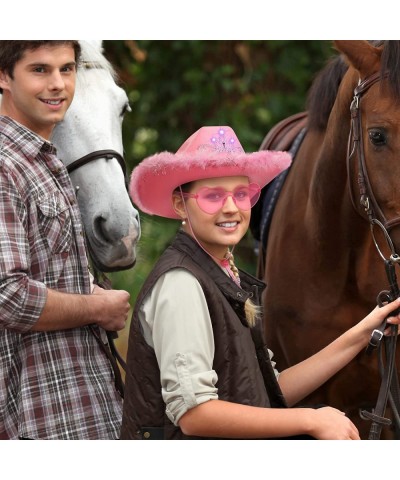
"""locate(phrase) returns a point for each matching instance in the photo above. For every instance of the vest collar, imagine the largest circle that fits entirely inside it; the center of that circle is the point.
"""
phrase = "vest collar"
(186, 244)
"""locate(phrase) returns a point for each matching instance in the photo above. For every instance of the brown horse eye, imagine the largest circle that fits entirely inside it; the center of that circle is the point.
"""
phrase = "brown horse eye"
(377, 137)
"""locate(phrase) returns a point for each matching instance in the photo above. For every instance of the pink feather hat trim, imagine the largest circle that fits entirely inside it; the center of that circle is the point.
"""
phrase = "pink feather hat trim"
(210, 152)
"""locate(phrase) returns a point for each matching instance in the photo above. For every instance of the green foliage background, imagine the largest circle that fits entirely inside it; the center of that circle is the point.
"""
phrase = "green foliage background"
(177, 86)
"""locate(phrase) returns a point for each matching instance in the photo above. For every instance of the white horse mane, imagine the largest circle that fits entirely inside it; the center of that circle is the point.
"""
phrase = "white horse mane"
(93, 57)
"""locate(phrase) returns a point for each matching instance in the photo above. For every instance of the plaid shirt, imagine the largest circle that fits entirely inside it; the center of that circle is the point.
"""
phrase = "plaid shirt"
(53, 385)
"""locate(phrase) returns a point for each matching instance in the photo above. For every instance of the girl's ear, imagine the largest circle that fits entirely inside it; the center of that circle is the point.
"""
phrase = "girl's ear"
(178, 205)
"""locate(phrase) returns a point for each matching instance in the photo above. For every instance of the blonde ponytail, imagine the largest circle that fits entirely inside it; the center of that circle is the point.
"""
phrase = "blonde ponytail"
(251, 310)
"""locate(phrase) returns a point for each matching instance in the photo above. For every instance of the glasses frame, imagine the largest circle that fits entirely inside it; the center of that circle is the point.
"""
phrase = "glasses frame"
(227, 194)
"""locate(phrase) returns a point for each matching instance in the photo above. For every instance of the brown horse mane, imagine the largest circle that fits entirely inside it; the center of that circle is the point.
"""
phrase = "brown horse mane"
(324, 88)
(390, 61)
(323, 91)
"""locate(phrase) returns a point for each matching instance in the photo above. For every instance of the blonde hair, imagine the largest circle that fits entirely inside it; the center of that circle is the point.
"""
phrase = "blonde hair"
(251, 310)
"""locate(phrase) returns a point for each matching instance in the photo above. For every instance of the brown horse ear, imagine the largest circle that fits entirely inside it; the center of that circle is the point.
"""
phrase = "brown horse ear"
(361, 55)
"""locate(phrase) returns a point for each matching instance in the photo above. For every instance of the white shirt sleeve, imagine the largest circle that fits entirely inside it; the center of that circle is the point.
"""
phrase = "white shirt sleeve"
(273, 363)
(176, 323)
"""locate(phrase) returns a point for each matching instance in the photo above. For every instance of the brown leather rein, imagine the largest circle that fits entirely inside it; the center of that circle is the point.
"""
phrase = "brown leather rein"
(389, 389)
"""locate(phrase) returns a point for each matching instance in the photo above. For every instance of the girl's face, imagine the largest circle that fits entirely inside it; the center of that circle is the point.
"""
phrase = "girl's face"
(219, 230)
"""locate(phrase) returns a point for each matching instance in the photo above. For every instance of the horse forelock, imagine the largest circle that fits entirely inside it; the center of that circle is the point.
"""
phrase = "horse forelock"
(92, 57)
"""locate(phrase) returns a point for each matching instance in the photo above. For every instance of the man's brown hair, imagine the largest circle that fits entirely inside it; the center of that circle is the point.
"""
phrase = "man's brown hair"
(11, 51)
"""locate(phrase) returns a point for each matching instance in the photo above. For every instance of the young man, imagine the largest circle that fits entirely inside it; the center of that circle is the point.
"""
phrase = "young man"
(56, 381)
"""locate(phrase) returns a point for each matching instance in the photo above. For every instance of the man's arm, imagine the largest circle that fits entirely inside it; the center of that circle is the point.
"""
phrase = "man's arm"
(107, 308)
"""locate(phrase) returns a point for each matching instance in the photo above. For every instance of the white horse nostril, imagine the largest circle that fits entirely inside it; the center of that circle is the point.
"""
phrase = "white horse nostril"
(100, 229)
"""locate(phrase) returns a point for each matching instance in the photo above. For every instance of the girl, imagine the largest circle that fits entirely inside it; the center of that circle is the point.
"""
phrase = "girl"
(197, 366)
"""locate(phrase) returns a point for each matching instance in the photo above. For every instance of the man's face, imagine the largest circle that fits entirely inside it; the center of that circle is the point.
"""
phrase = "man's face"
(42, 88)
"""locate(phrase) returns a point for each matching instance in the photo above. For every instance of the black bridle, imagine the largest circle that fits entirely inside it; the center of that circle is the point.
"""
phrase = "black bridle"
(389, 389)
(90, 157)
(107, 154)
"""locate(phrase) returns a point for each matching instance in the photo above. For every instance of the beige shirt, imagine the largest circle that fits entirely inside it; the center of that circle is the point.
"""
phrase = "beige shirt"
(176, 323)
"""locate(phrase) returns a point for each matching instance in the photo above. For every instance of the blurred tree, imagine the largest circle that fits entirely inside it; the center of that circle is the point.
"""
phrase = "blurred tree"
(177, 86)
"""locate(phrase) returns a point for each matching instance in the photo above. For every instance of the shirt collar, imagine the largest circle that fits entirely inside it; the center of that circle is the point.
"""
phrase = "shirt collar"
(30, 143)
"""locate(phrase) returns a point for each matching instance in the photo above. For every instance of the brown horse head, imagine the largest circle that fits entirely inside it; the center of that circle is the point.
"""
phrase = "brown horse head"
(322, 268)
(374, 142)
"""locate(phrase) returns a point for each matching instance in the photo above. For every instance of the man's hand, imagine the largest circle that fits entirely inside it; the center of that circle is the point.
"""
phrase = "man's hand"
(114, 310)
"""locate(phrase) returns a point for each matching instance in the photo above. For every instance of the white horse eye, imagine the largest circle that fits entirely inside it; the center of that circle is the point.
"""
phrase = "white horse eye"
(126, 109)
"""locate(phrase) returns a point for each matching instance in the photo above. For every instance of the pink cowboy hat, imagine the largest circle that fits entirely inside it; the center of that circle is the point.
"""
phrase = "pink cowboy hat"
(210, 152)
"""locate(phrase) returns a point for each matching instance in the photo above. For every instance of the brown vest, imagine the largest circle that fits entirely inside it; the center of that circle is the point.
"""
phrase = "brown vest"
(241, 360)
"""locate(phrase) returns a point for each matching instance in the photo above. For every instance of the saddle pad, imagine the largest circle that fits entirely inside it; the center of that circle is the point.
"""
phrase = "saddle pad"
(272, 191)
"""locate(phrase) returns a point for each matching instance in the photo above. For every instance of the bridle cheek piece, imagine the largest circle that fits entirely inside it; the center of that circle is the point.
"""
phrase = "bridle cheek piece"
(389, 389)
(356, 145)
(90, 157)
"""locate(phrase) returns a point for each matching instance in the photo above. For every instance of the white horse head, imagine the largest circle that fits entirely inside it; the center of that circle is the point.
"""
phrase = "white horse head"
(93, 123)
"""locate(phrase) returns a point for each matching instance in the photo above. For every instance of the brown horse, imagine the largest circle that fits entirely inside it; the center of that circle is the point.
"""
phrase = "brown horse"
(322, 268)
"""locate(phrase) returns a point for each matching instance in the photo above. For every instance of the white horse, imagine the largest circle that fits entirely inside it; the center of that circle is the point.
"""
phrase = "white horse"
(89, 142)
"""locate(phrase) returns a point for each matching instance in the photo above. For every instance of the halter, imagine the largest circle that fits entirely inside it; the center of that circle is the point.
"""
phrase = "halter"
(376, 218)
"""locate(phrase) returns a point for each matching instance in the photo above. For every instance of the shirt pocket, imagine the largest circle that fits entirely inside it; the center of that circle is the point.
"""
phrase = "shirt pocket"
(55, 222)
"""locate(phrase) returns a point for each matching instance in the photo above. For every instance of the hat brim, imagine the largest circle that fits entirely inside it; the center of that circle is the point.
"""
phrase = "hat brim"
(155, 178)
